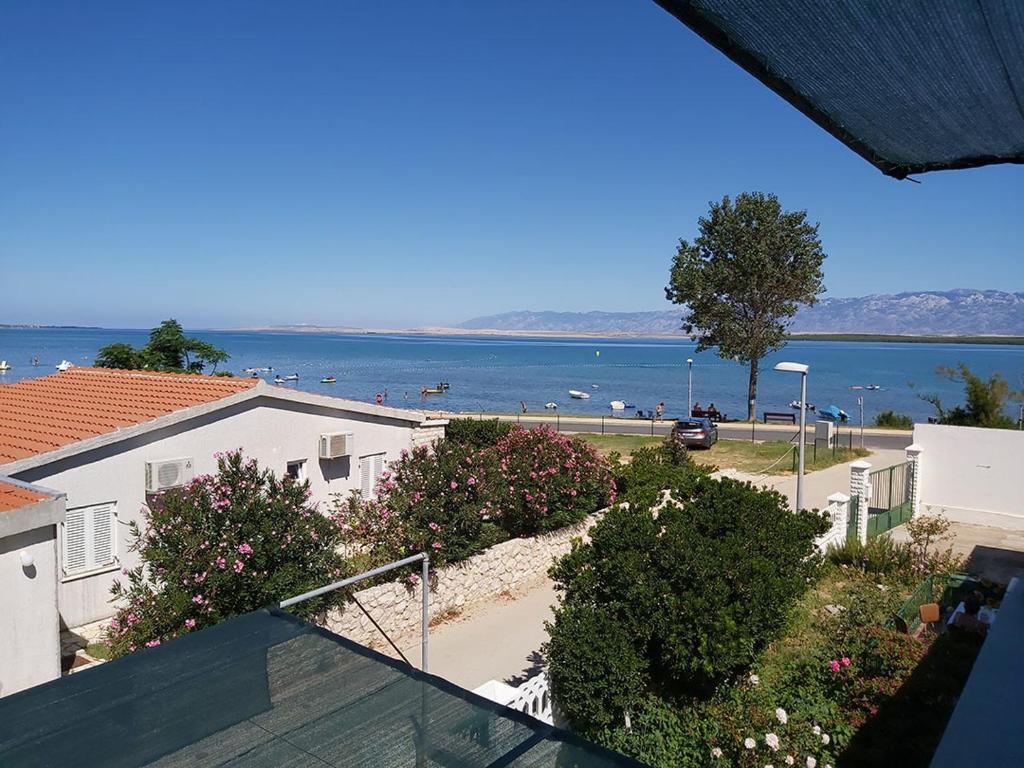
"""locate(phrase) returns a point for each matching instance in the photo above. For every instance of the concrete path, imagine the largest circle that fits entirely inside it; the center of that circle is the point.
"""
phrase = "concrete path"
(991, 553)
(497, 640)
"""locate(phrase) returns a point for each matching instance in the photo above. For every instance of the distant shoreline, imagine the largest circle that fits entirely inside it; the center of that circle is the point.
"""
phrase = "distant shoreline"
(502, 333)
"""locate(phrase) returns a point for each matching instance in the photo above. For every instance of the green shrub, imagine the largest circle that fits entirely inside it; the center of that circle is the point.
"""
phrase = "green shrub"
(698, 590)
(477, 433)
(653, 470)
(881, 555)
(894, 420)
(223, 545)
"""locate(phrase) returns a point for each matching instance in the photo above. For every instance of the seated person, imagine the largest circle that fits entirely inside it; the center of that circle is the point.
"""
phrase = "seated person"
(968, 620)
(696, 411)
(712, 411)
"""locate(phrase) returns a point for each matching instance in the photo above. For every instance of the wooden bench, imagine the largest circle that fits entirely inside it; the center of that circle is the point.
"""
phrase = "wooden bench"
(789, 418)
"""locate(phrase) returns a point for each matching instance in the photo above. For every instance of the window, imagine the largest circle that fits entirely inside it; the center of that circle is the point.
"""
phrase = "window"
(370, 469)
(89, 540)
(296, 470)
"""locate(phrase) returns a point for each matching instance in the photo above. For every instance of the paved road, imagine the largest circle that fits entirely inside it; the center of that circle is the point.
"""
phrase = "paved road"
(874, 439)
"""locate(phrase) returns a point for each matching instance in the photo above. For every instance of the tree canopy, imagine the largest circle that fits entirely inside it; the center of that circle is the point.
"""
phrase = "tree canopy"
(168, 349)
(746, 274)
(986, 400)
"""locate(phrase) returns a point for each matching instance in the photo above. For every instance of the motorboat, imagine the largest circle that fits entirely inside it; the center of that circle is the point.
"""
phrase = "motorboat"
(551, 406)
(328, 380)
(595, 386)
(256, 371)
(834, 414)
(872, 387)
(291, 377)
(64, 365)
(4, 366)
(795, 405)
(618, 405)
(577, 395)
(438, 390)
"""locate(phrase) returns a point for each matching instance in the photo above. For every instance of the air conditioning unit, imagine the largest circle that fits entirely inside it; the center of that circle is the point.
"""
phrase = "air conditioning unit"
(173, 473)
(334, 445)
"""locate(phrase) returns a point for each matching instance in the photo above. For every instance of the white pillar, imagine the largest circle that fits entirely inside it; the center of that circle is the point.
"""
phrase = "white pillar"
(860, 488)
(842, 501)
(914, 457)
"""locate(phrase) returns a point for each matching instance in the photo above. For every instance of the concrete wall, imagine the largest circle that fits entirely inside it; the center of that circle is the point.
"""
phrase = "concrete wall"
(972, 475)
(396, 606)
(274, 432)
(30, 628)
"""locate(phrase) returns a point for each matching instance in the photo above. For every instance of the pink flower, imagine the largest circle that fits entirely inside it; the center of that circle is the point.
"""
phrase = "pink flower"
(845, 661)
(198, 599)
(152, 643)
(221, 563)
(436, 545)
(244, 549)
(834, 665)
(414, 579)
(190, 623)
(454, 485)
(434, 526)
(238, 566)
(472, 480)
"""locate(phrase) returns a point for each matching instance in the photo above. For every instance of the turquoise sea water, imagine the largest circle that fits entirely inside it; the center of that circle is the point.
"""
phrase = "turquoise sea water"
(495, 374)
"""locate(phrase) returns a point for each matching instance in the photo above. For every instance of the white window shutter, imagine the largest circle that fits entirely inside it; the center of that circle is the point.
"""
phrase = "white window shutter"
(103, 534)
(378, 469)
(365, 476)
(75, 554)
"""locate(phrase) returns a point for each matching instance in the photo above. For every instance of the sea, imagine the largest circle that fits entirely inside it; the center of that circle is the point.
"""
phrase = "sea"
(499, 374)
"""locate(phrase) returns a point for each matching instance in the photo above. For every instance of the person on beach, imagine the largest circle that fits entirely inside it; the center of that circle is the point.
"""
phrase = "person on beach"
(522, 404)
(379, 398)
(659, 410)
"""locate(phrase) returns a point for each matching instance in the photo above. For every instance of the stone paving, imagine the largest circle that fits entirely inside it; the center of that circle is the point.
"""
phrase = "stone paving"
(992, 553)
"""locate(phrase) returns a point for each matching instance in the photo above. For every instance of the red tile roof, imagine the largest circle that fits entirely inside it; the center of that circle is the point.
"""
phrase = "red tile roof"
(15, 497)
(41, 415)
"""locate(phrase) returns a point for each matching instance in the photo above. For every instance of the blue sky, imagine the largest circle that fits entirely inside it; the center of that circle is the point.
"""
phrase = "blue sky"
(394, 164)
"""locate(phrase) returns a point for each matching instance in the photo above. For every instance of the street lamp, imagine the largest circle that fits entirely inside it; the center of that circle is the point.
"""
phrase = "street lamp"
(689, 387)
(802, 370)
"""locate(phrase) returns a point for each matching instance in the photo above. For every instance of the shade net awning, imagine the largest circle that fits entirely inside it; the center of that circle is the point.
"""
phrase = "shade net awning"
(911, 85)
(268, 689)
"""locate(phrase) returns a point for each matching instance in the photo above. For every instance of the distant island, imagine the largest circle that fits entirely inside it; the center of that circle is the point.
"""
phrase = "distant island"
(52, 327)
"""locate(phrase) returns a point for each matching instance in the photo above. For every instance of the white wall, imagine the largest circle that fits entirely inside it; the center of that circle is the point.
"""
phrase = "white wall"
(29, 628)
(273, 432)
(972, 475)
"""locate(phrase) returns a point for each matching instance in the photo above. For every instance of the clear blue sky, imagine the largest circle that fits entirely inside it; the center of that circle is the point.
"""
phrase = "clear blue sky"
(392, 164)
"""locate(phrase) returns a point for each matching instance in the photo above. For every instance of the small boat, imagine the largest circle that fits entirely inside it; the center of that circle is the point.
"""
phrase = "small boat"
(595, 386)
(795, 405)
(856, 386)
(834, 414)
(577, 395)
(328, 380)
(255, 371)
(4, 366)
(432, 391)
(618, 405)
(551, 406)
(64, 365)
(292, 377)
(872, 387)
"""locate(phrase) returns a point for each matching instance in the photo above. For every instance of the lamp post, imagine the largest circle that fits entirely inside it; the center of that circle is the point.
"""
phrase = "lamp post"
(802, 370)
(860, 402)
(689, 387)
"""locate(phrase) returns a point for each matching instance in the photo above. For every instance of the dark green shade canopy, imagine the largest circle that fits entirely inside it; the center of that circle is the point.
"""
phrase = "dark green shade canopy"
(911, 85)
(268, 689)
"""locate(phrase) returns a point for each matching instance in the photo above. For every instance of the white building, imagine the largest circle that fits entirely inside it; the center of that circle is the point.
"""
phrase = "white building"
(103, 438)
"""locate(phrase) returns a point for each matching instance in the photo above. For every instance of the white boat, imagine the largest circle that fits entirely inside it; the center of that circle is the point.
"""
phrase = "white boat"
(292, 377)
(4, 366)
(577, 395)
(64, 365)
(618, 405)
(795, 405)
(551, 406)
(253, 371)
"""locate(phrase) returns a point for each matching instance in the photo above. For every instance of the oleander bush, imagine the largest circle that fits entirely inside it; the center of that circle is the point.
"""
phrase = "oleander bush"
(223, 545)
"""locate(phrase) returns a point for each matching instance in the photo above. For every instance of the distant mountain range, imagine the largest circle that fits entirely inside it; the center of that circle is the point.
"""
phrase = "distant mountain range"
(960, 312)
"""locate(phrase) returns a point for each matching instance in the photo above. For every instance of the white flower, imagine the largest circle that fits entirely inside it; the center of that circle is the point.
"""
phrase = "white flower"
(811, 762)
(817, 730)
(772, 741)
(769, 766)
(749, 743)
(825, 738)
(789, 760)
(755, 680)
(780, 713)
(827, 765)
(716, 753)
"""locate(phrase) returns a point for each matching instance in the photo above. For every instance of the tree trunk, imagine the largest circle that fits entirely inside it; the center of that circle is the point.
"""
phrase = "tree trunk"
(752, 392)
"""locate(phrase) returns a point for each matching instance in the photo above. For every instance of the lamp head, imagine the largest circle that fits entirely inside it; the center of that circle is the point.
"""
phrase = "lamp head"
(792, 367)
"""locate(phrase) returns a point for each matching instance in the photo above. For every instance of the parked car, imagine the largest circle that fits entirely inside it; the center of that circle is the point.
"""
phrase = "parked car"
(696, 432)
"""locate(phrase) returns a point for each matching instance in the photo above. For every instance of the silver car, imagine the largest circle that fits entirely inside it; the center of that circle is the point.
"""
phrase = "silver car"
(696, 432)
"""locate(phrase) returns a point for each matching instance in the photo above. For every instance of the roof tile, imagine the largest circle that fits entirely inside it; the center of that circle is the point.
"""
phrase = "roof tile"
(43, 414)
(15, 497)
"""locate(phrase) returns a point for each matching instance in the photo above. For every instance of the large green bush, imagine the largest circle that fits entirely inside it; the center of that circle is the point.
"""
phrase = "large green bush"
(894, 420)
(477, 433)
(225, 544)
(653, 470)
(697, 588)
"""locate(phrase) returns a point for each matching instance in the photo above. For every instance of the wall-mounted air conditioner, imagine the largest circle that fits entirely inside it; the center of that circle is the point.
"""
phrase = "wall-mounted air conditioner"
(334, 445)
(172, 473)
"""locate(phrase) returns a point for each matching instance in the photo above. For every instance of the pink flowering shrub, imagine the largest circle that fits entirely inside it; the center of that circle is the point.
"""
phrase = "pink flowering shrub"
(224, 544)
(549, 480)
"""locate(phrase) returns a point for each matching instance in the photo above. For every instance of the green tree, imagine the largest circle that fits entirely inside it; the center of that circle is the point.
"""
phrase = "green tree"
(221, 546)
(745, 275)
(168, 349)
(987, 399)
(672, 601)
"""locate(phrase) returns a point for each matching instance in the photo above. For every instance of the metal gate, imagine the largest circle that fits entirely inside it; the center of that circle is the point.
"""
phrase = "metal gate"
(890, 503)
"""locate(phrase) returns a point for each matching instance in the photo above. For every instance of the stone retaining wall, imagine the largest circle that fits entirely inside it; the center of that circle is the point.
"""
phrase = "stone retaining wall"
(504, 567)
